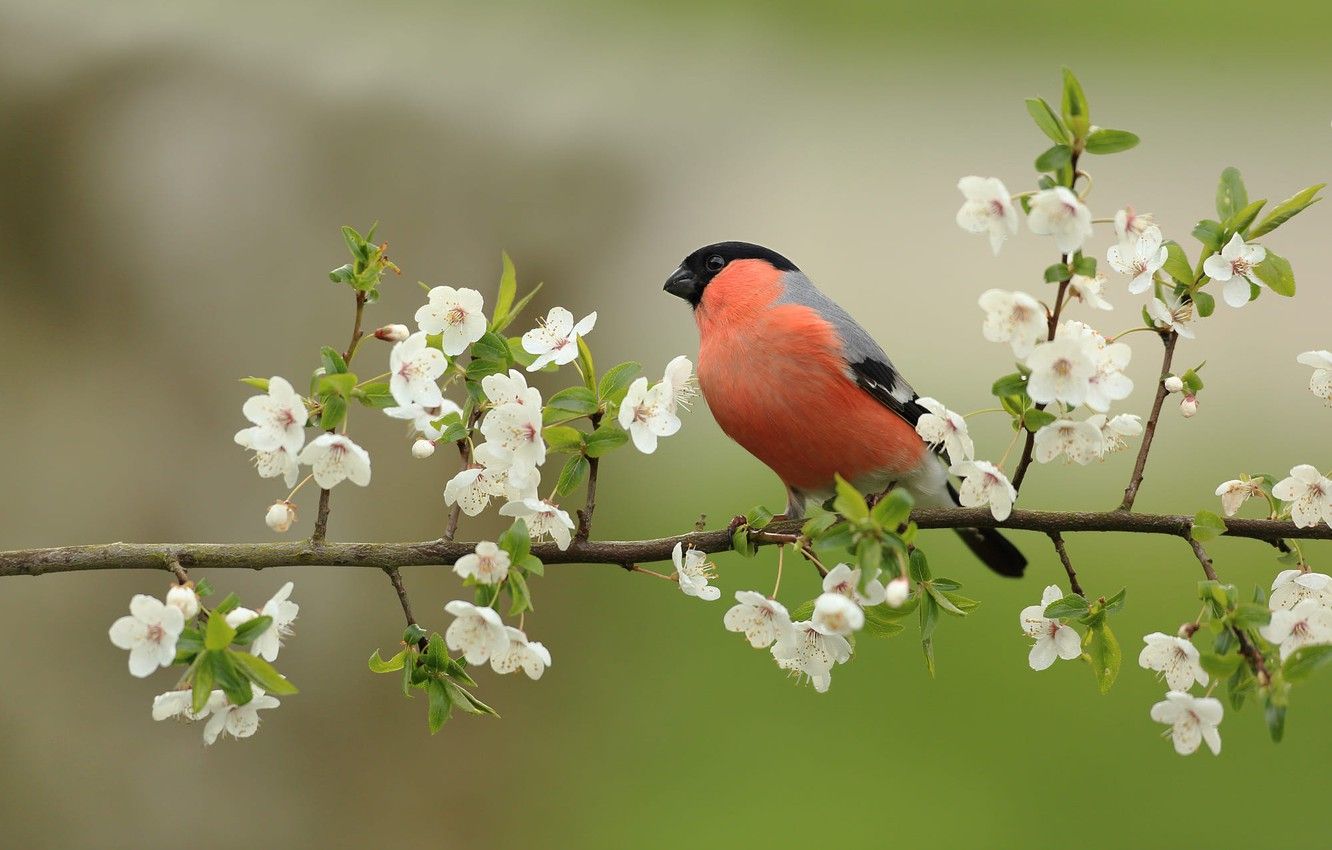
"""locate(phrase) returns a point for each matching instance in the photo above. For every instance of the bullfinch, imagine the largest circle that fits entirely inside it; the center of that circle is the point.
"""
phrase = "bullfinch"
(797, 382)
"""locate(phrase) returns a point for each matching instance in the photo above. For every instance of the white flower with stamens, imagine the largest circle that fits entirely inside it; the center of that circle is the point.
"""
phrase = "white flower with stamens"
(805, 651)
(177, 704)
(983, 484)
(1309, 623)
(943, 427)
(1309, 495)
(478, 633)
(1192, 721)
(1062, 369)
(1172, 314)
(472, 490)
(510, 389)
(1235, 492)
(681, 386)
(334, 458)
(1292, 587)
(1088, 291)
(456, 314)
(414, 367)
(238, 721)
(1234, 267)
(762, 620)
(1109, 383)
(1053, 638)
(488, 564)
(424, 416)
(1057, 212)
(529, 656)
(283, 611)
(183, 597)
(647, 414)
(1129, 225)
(1013, 317)
(277, 462)
(693, 570)
(988, 208)
(542, 519)
(149, 633)
(279, 420)
(897, 592)
(846, 581)
(835, 614)
(1175, 658)
(513, 479)
(1116, 430)
(1080, 442)
(1140, 259)
(516, 428)
(1320, 383)
(281, 514)
(556, 339)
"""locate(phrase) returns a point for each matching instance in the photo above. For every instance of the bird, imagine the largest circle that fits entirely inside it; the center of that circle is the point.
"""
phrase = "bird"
(798, 383)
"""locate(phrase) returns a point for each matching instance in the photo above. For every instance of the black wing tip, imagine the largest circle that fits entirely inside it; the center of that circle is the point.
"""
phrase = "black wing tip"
(995, 551)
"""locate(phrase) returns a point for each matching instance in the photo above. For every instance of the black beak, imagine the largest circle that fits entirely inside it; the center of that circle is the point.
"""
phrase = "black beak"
(683, 284)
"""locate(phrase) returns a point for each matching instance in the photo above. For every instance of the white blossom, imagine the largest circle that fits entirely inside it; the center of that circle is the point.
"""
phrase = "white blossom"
(1088, 291)
(516, 428)
(414, 367)
(693, 570)
(1292, 587)
(1139, 259)
(1057, 212)
(1234, 267)
(1013, 317)
(477, 632)
(1172, 313)
(281, 514)
(279, 420)
(422, 449)
(845, 580)
(488, 564)
(1192, 721)
(1062, 369)
(1309, 623)
(423, 416)
(456, 314)
(277, 462)
(1175, 658)
(1188, 406)
(1108, 383)
(762, 620)
(177, 704)
(1173, 383)
(510, 389)
(556, 339)
(1080, 442)
(1116, 430)
(897, 591)
(334, 458)
(530, 656)
(496, 475)
(942, 427)
(1053, 638)
(238, 721)
(988, 208)
(542, 518)
(283, 611)
(182, 596)
(648, 414)
(1235, 492)
(805, 651)
(1129, 225)
(680, 382)
(149, 633)
(985, 484)
(835, 614)
(1320, 382)
(1309, 495)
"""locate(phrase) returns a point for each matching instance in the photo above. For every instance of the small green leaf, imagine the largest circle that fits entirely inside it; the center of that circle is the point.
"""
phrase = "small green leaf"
(615, 383)
(228, 604)
(576, 400)
(508, 288)
(375, 394)
(1250, 615)
(262, 673)
(758, 518)
(218, 635)
(918, 566)
(574, 471)
(1104, 652)
(893, 509)
(379, 665)
(202, 683)
(1054, 159)
(1110, 141)
(849, 502)
(519, 594)
(607, 437)
(1286, 210)
(1057, 273)
(339, 384)
(1275, 271)
(518, 308)
(440, 705)
(741, 543)
(1085, 266)
(1010, 385)
(332, 360)
(882, 621)
(1206, 526)
(1177, 263)
(562, 438)
(941, 599)
(260, 384)
(247, 631)
(1231, 196)
(588, 368)
(232, 682)
(1077, 115)
(1068, 607)
(1046, 120)
(1035, 420)
(1208, 232)
(1302, 663)
(333, 412)
(1219, 666)
(516, 541)
(1275, 714)
(1240, 221)
(1114, 603)
(1205, 303)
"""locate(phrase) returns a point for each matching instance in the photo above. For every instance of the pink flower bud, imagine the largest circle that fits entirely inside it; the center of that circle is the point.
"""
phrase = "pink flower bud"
(1189, 406)
(423, 449)
(392, 333)
(183, 597)
(897, 592)
(280, 516)
(1174, 384)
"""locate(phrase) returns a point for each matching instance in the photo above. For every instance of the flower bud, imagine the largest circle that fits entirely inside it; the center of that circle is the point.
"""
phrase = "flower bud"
(897, 592)
(1174, 384)
(423, 449)
(280, 516)
(1186, 631)
(183, 597)
(392, 333)
(1189, 406)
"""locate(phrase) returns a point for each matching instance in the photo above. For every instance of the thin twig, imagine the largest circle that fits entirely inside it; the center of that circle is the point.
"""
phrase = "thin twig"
(321, 517)
(1131, 491)
(1030, 443)
(590, 505)
(396, 578)
(1247, 649)
(173, 564)
(1058, 540)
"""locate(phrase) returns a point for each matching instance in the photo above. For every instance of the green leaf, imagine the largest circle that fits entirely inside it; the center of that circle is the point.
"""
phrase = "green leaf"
(1114, 603)
(1057, 273)
(607, 437)
(1220, 666)
(508, 288)
(440, 705)
(615, 383)
(1177, 263)
(333, 413)
(1275, 271)
(516, 541)
(260, 384)
(228, 604)
(1085, 266)
(1275, 715)
(247, 631)
(379, 665)
(518, 308)
(1077, 115)
(490, 356)
(574, 471)
(1302, 663)
(1106, 657)
(918, 566)
(1206, 526)
(375, 394)
(1286, 210)
(882, 621)
(1110, 141)
(339, 384)
(1010, 385)
(1208, 232)
(741, 543)
(1054, 159)
(1046, 120)
(262, 673)
(562, 438)
(1205, 303)
(519, 594)
(332, 360)
(202, 683)
(218, 635)
(232, 682)
(893, 509)
(941, 599)
(758, 518)
(849, 502)
(1251, 615)
(1240, 221)
(1068, 607)
(467, 702)
(588, 368)
(966, 604)
(1231, 196)
(1035, 420)
(577, 400)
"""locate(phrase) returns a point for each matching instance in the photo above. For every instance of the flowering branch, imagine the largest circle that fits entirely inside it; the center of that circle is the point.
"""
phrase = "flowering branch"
(1247, 649)
(1168, 341)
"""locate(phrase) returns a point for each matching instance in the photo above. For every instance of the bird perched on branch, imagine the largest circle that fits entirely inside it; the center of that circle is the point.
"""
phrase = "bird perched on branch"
(797, 382)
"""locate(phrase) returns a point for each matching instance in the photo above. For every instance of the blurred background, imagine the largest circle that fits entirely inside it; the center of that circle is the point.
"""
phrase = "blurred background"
(172, 177)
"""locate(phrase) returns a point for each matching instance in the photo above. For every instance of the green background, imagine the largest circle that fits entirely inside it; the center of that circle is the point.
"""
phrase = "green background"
(171, 182)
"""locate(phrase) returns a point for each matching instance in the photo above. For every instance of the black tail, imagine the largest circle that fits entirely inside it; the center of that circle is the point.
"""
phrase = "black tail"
(992, 548)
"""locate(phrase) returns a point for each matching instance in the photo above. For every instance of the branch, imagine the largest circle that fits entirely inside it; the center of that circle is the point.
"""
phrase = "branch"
(1131, 491)
(1058, 540)
(257, 556)
(1247, 649)
(321, 518)
(1030, 443)
(585, 514)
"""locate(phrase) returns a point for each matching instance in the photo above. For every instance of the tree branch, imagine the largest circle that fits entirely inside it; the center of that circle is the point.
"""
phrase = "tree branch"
(585, 514)
(1131, 491)
(1247, 649)
(257, 556)
(1058, 540)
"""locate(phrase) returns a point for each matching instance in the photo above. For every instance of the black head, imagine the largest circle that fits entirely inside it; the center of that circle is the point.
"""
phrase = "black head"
(700, 267)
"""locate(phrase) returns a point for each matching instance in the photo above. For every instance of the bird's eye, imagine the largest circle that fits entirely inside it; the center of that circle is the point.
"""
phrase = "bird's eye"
(715, 263)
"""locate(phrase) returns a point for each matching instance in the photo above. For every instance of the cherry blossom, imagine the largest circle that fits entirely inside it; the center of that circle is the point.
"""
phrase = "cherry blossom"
(835, 614)
(182, 596)
(1129, 225)
(1192, 721)
(281, 514)
(1140, 259)
(1053, 638)
(985, 484)
(556, 339)
(762, 620)
(1116, 430)
(942, 427)
(238, 721)
(477, 632)
(542, 518)
(177, 704)
(455, 314)
(1173, 383)
(488, 564)
(393, 333)
(422, 449)
(693, 570)
(423, 416)
(334, 458)
(1088, 291)
(414, 367)
(1188, 406)
(1292, 587)
(1172, 313)
(845, 580)
(1309, 623)
(1080, 442)
(1235, 492)
(1320, 382)
(1057, 212)
(1013, 317)
(805, 651)
(988, 208)
(516, 428)
(1309, 495)
(1062, 369)
(529, 656)
(1175, 658)
(1234, 267)
(648, 414)
(897, 592)
(279, 420)
(680, 382)
(149, 633)
(510, 389)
